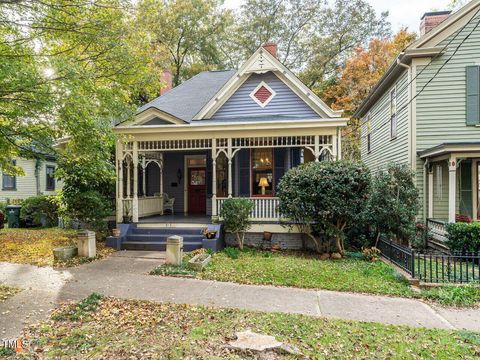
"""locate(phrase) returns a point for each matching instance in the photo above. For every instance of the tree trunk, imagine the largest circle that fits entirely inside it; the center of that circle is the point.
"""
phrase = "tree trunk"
(240, 240)
(378, 238)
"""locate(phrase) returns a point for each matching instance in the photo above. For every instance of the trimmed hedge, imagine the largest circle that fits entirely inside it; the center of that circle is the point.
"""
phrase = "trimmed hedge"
(463, 236)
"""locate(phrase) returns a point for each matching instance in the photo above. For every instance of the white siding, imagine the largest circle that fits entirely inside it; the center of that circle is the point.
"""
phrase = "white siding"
(27, 184)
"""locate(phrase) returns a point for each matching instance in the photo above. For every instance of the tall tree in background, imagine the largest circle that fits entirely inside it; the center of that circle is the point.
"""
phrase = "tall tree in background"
(314, 37)
(24, 95)
(285, 22)
(362, 71)
(188, 31)
(341, 27)
(83, 65)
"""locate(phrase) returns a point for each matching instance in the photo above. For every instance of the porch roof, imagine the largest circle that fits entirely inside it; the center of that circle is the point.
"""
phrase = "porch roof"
(279, 124)
(449, 148)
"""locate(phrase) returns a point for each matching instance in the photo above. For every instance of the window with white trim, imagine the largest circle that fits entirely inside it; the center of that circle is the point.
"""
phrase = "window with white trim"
(393, 113)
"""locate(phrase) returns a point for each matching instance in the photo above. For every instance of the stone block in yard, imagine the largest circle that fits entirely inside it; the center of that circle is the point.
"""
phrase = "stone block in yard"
(64, 253)
(174, 251)
(251, 341)
(86, 243)
(198, 262)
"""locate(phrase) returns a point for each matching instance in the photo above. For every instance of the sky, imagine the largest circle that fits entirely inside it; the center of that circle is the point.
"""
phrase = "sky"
(402, 12)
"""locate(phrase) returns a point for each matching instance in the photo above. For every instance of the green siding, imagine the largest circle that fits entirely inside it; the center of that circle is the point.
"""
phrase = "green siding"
(441, 107)
(383, 149)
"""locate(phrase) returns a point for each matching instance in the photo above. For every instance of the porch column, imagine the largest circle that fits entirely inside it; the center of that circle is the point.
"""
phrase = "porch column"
(129, 184)
(339, 142)
(135, 182)
(316, 148)
(230, 156)
(452, 186)
(144, 180)
(430, 191)
(214, 178)
(334, 147)
(119, 162)
(161, 182)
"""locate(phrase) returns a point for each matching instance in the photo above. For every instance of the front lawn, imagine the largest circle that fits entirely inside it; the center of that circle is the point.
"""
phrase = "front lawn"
(111, 328)
(302, 270)
(34, 246)
(305, 270)
(7, 291)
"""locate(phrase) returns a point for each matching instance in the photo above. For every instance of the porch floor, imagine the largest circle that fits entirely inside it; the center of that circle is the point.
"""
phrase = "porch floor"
(177, 219)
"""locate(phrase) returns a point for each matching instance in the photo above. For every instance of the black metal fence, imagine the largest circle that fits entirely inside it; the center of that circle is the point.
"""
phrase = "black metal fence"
(434, 267)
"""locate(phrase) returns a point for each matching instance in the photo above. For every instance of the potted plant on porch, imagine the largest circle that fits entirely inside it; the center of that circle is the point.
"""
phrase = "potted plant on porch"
(209, 234)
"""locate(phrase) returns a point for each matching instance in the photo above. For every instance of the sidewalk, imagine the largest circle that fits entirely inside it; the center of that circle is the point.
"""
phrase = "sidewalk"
(125, 275)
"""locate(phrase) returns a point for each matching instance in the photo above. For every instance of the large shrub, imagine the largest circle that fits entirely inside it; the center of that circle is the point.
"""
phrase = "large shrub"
(90, 208)
(393, 204)
(463, 236)
(236, 217)
(324, 197)
(39, 210)
(88, 173)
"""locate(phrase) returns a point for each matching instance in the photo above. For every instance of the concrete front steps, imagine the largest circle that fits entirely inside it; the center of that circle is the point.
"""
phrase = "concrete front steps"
(155, 239)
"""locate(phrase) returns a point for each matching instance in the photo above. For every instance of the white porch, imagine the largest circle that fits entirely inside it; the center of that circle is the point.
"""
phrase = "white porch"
(451, 186)
(137, 159)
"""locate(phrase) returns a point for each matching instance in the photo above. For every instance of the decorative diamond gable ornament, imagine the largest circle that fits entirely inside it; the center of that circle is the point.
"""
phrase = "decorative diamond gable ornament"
(262, 94)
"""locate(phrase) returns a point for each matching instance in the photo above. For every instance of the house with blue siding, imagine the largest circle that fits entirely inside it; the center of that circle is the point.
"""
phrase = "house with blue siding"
(425, 112)
(218, 135)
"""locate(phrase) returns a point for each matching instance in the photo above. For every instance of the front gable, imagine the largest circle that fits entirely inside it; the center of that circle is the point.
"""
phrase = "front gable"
(237, 97)
(264, 94)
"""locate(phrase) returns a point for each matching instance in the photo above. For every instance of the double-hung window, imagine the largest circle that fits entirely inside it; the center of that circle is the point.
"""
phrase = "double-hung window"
(50, 178)
(9, 182)
(393, 114)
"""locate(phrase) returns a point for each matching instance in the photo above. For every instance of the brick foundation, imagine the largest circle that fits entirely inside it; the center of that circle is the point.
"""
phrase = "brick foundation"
(285, 241)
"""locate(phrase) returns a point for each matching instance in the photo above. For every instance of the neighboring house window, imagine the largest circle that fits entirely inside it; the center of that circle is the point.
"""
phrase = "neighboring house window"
(262, 172)
(393, 114)
(473, 95)
(369, 134)
(50, 170)
(9, 182)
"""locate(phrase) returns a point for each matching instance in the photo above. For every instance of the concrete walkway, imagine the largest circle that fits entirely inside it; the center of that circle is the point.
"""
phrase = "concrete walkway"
(125, 275)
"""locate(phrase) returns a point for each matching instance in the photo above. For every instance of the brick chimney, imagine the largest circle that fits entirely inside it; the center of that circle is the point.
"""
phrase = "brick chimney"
(432, 19)
(271, 47)
(167, 80)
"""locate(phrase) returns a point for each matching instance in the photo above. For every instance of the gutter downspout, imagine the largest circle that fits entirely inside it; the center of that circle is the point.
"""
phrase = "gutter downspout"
(38, 164)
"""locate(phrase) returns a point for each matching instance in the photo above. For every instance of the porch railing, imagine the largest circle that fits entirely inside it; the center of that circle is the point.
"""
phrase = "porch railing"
(264, 209)
(437, 230)
(147, 206)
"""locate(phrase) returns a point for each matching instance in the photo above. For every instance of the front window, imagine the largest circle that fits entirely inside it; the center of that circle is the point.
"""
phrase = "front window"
(50, 178)
(262, 172)
(393, 114)
(9, 182)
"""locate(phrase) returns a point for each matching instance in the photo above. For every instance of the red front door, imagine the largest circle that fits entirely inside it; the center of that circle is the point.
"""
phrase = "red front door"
(197, 198)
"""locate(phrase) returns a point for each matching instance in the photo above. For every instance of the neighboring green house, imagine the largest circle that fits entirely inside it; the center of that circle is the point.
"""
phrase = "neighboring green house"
(425, 112)
(38, 179)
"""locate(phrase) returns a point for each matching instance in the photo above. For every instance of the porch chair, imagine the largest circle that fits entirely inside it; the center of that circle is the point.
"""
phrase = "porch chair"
(168, 202)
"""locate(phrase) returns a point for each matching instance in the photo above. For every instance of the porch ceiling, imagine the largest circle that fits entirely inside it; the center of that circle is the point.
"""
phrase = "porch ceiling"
(470, 148)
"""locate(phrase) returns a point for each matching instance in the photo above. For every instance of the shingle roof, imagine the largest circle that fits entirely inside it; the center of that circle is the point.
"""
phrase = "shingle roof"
(188, 98)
